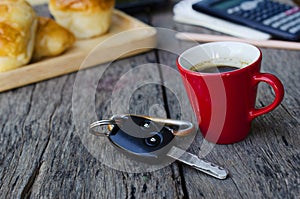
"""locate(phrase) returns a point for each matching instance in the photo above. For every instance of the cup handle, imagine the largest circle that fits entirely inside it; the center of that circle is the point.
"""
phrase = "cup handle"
(278, 88)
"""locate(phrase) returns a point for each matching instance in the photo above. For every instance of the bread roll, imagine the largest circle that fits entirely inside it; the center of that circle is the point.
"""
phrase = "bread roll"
(51, 39)
(84, 18)
(18, 23)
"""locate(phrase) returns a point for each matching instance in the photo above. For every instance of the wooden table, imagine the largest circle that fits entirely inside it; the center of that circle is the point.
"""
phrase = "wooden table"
(46, 150)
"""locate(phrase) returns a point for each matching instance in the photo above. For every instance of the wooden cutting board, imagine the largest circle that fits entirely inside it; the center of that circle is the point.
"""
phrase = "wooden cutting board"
(126, 37)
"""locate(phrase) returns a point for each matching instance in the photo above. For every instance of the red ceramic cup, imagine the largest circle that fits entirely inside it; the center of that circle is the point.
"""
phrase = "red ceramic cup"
(224, 103)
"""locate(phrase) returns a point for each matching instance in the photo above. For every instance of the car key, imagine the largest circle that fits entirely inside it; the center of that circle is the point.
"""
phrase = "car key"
(197, 163)
(142, 136)
(151, 140)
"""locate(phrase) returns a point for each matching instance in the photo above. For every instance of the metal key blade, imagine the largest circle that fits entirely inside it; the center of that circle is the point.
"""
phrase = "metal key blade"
(199, 164)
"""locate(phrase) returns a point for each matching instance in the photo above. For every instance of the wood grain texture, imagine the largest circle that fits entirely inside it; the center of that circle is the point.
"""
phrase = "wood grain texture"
(44, 156)
(47, 152)
(265, 165)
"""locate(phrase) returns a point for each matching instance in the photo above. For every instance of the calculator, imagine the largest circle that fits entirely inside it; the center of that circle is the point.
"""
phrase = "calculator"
(278, 19)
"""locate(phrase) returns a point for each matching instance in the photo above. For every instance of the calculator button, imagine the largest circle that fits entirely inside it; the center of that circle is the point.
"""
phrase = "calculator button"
(230, 11)
(293, 19)
(252, 17)
(249, 5)
(274, 12)
(244, 14)
(233, 10)
(290, 24)
(276, 25)
(264, 16)
(239, 13)
(286, 8)
(296, 15)
(258, 19)
(283, 21)
(236, 9)
(264, 11)
(274, 18)
(295, 29)
(292, 11)
(293, 16)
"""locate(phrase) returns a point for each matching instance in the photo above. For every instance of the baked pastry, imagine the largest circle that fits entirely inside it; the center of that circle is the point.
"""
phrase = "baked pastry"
(84, 18)
(18, 23)
(51, 39)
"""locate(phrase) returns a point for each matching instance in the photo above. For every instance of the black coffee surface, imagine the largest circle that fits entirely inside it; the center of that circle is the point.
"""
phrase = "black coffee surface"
(213, 69)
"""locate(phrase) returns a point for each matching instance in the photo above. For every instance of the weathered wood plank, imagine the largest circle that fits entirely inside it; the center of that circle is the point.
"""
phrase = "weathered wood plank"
(43, 153)
(46, 153)
(265, 165)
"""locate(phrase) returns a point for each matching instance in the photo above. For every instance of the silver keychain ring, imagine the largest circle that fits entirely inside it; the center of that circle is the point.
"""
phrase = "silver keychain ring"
(98, 124)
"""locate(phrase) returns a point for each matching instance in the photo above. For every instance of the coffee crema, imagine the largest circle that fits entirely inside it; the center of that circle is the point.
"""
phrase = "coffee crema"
(214, 69)
(219, 65)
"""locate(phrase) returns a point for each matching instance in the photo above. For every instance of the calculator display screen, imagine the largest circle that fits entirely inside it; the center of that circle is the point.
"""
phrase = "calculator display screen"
(224, 5)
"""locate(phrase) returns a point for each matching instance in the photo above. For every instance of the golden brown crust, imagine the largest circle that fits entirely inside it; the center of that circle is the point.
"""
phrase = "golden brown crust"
(51, 39)
(81, 5)
(11, 42)
(84, 18)
(18, 23)
(12, 29)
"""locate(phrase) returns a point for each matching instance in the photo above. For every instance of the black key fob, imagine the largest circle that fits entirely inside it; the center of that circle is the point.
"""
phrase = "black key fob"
(143, 138)
(146, 139)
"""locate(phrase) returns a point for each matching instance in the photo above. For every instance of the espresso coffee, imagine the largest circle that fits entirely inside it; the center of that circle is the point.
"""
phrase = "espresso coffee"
(214, 69)
(219, 65)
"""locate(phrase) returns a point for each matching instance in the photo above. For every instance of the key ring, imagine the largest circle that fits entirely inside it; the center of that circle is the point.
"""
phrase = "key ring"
(184, 127)
(101, 123)
(110, 122)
